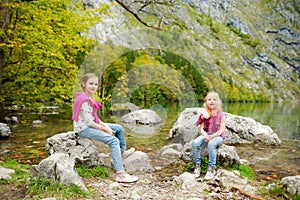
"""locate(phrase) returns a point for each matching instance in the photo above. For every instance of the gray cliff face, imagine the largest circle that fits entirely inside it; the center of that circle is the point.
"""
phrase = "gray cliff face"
(276, 23)
(254, 43)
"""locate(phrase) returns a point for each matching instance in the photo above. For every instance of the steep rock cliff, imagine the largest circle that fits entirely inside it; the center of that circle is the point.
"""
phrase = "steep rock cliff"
(252, 43)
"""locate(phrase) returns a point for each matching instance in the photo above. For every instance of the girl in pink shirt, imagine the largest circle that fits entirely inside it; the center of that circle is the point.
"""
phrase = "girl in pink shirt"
(212, 129)
(87, 124)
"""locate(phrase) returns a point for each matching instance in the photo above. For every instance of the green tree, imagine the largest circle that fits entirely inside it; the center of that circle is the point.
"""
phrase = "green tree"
(42, 46)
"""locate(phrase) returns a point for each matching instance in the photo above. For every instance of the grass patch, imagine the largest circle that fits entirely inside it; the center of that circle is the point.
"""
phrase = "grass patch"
(45, 188)
(21, 172)
(244, 170)
(277, 190)
(89, 172)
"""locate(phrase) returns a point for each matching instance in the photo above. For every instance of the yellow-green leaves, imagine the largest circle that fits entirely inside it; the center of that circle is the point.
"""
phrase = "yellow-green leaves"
(43, 48)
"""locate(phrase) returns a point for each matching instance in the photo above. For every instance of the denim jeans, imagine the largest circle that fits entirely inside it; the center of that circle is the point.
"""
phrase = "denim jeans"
(116, 143)
(212, 146)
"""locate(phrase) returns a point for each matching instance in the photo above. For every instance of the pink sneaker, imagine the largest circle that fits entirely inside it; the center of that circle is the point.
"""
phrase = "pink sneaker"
(125, 178)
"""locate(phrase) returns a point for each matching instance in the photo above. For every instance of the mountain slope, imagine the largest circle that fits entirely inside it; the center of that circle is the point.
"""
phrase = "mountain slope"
(253, 45)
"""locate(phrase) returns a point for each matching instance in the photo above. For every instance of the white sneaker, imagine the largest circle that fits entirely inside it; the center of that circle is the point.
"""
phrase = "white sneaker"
(128, 152)
(125, 178)
(210, 174)
(197, 172)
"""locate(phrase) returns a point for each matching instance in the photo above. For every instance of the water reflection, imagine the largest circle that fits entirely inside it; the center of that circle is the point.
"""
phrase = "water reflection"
(283, 118)
(143, 131)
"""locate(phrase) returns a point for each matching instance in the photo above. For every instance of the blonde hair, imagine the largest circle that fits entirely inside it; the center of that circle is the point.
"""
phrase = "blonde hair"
(85, 78)
(215, 95)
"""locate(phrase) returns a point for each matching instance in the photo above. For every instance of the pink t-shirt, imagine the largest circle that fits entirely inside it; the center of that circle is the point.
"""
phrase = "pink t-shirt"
(212, 124)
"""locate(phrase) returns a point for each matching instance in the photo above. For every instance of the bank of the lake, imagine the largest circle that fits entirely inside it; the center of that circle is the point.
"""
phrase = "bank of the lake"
(27, 142)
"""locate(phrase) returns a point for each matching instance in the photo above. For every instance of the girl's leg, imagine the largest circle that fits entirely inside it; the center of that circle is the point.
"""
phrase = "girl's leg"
(212, 146)
(196, 149)
(112, 141)
(119, 133)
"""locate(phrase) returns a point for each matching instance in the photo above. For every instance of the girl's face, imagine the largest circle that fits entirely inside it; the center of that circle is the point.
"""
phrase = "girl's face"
(91, 86)
(212, 102)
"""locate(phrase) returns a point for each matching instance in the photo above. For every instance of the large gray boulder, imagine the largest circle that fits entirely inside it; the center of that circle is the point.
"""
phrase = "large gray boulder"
(227, 155)
(245, 129)
(239, 130)
(82, 150)
(184, 129)
(142, 123)
(59, 167)
(143, 116)
(138, 162)
(85, 152)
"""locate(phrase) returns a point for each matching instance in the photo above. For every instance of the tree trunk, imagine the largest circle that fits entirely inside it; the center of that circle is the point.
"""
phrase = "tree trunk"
(5, 18)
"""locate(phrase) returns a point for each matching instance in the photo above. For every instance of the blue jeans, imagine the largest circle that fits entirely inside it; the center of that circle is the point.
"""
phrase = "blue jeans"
(212, 146)
(116, 143)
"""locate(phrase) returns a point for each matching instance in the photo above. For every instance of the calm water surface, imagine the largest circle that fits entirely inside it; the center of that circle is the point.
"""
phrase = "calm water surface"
(284, 119)
(27, 143)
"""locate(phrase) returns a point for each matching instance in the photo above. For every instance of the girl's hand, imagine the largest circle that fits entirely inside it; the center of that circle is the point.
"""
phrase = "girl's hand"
(111, 132)
(206, 138)
(205, 135)
(108, 130)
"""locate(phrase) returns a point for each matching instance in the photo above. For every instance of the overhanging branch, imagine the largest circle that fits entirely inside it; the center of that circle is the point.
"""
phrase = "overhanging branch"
(136, 15)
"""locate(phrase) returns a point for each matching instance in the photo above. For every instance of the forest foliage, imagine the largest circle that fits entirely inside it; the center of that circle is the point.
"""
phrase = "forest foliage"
(42, 48)
(44, 43)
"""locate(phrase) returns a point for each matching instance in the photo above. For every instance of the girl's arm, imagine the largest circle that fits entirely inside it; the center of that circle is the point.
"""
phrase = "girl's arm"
(203, 132)
(106, 128)
(103, 127)
(87, 113)
(96, 126)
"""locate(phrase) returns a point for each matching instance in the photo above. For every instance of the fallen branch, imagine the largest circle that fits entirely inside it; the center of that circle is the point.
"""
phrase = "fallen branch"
(247, 194)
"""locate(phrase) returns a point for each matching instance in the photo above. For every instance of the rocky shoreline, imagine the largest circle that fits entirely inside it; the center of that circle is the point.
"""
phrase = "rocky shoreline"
(170, 180)
(150, 186)
(163, 173)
